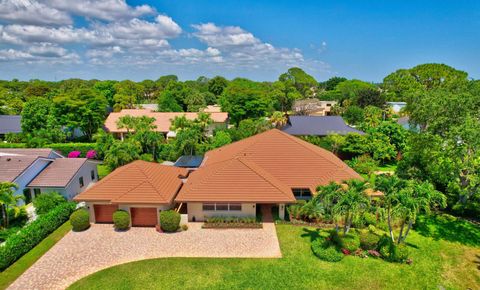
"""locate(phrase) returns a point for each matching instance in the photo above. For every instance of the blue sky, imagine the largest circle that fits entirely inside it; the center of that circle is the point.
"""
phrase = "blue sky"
(114, 39)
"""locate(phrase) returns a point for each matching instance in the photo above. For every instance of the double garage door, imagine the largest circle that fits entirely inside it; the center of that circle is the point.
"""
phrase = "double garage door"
(141, 216)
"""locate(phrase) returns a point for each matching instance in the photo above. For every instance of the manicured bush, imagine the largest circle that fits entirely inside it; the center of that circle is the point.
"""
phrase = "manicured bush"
(399, 253)
(80, 220)
(32, 234)
(13, 145)
(121, 220)
(350, 242)
(368, 240)
(47, 201)
(326, 253)
(74, 154)
(169, 220)
(184, 227)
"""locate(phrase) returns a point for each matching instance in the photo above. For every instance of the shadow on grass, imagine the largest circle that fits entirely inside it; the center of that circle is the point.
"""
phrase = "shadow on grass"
(449, 228)
(312, 234)
(477, 261)
(411, 245)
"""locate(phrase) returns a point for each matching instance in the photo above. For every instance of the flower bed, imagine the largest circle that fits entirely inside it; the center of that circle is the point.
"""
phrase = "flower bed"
(231, 222)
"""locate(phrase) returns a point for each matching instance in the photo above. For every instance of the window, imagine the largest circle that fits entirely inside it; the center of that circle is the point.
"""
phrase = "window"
(36, 191)
(80, 180)
(329, 105)
(208, 207)
(221, 206)
(235, 207)
(302, 193)
(92, 174)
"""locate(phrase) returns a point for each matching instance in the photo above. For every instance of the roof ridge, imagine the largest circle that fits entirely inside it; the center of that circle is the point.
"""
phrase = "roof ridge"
(263, 174)
(147, 178)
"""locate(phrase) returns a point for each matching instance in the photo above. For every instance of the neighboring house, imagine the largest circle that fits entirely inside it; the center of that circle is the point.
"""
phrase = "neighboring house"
(405, 122)
(397, 106)
(268, 169)
(317, 126)
(271, 168)
(163, 120)
(41, 170)
(313, 107)
(10, 124)
(141, 188)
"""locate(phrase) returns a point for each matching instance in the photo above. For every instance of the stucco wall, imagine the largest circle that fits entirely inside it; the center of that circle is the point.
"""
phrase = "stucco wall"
(125, 207)
(29, 174)
(195, 210)
(73, 188)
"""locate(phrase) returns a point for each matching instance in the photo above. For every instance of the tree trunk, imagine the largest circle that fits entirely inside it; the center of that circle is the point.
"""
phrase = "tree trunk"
(347, 223)
(401, 232)
(408, 230)
(390, 224)
(4, 216)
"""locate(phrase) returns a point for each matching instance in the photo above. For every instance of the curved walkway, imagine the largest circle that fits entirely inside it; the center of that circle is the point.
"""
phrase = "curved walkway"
(80, 254)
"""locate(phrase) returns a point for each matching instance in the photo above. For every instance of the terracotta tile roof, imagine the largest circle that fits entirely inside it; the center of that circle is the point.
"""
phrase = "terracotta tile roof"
(291, 160)
(58, 173)
(234, 180)
(162, 119)
(139, 182)
(12, 166)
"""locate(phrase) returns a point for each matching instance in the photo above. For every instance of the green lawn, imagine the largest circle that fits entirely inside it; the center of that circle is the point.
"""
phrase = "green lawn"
(436, 264)
(387, 168)
(20, 266)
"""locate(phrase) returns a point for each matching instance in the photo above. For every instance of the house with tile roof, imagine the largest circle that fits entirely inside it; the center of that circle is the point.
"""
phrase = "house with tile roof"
(163, 120)
(271, 169)
(10, 124)
(44, 170)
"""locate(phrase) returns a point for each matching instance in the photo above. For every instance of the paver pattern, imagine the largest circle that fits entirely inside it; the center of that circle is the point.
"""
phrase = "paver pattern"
(79, 254)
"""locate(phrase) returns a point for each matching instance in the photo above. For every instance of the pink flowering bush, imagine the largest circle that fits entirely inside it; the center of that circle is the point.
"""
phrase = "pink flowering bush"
(91, 154)
(346, 252)
(74, 154)
(374, 253)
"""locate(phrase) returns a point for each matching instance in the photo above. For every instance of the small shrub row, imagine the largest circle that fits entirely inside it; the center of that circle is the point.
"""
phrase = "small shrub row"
(19, 244)
(231, 222)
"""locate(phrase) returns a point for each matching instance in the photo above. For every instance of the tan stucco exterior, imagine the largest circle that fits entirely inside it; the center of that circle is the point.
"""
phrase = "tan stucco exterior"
(195, 210)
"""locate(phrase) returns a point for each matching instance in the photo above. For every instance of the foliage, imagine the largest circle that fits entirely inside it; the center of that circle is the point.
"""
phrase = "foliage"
(80, 220)
(368, 240)
(32, 234)
(231, 222)
(47, 201)
(66, 148)
(74, 154)
(91, 154)
(8, 201)
(363, 164)
(304, 83)
(370, 97)
(169, 220)
(350, 242)
(121, 153)
(121, 220)
(326, 253)
(354, 115)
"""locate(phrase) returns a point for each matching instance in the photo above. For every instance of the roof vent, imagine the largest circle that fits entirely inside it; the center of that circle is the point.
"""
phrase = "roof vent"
(9, 159)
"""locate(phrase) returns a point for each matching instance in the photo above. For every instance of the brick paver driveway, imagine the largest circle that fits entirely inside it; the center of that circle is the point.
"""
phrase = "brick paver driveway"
(81, 254)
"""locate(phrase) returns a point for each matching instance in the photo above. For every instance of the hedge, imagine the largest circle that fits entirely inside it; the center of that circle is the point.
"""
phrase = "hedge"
(27, 238)
(169, 220)
(63, 148)
(121, 220)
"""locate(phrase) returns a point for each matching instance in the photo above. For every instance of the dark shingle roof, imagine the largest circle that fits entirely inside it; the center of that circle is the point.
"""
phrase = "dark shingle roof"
(10, 124)
(189, 161)
(317, 126)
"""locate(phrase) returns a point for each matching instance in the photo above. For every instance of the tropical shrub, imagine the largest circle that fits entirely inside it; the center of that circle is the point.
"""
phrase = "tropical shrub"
(349, 242)
(391, 251)
(121, 220)
(47, 201)
(32, 234)
(74, 154)
(169, 220)
(80, 220)
(369, 218)
(91, 154)
(325, 252)
(65, 148)
(399, 253)
(368, 240)
(363, 164)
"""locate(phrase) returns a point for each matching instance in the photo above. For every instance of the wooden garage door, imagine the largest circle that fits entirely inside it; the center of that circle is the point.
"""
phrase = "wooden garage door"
(104, 212)
(144, 216)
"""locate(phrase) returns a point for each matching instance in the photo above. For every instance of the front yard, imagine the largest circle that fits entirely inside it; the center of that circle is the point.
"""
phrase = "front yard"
(437, 263)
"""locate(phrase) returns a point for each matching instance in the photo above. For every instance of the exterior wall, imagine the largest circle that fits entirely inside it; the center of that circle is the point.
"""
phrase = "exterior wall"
(73, 188)
(29, 174)
(194, 209)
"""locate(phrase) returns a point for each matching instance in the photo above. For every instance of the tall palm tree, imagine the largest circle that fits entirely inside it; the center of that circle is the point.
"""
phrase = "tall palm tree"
(351, 202)
(8, 200)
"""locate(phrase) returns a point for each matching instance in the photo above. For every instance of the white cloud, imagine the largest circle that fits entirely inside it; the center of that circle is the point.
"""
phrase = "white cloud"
(111, 10)
(32, 12)
(39, 55)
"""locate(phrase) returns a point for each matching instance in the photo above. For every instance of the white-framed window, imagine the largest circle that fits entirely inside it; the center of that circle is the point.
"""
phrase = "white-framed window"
(222, 207)
(80, 180)
(302, 193)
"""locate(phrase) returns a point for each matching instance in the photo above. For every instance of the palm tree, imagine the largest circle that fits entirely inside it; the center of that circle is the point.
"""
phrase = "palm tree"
(415, 198)
(8, 200)
(351, 202)
(278, 119)
(390, 186)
